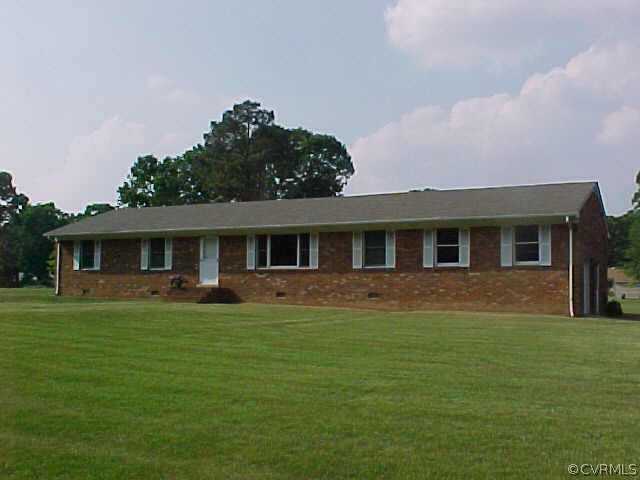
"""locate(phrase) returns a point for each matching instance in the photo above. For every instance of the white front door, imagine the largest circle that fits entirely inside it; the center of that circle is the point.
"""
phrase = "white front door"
(209, 260)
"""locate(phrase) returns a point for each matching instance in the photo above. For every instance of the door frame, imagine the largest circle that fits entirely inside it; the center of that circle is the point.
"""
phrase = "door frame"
(591, 302)
(595, 287)
(586, 287)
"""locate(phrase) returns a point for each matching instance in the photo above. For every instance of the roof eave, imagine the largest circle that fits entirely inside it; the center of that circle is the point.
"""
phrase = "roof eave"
(408, 223)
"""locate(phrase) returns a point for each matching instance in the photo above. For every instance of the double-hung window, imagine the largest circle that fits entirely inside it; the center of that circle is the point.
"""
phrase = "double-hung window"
(525, 245)
(87, 254)
(375, 248)
(156, 254)
(283, 251)
(446, 247)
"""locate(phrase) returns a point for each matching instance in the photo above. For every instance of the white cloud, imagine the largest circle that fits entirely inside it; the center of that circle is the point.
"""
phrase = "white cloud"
(166, 90)
(96, 164)
(575, 122)
(181, 96)
(621, 127)
(159, 82)
(455, 33)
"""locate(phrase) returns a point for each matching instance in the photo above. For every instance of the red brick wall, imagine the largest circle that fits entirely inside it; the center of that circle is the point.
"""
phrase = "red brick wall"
(590, 242)
(120, 274)
(483, 286)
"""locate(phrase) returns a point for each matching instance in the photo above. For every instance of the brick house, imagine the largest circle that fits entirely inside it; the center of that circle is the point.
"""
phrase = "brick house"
(623, 285)
(532, 248)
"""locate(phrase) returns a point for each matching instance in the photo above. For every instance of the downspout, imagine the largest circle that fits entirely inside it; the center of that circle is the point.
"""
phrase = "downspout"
(571, 312)
(57, 267)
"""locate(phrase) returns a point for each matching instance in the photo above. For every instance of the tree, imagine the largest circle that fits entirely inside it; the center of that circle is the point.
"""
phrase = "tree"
(245, 156)
(96, 209)
(28, 228)
(619, 239)
(11, 204)
(320, 167)
(632, 267)
(251, 158)
(153, 183)
(237, 150)
(636, 197)
(139, 190)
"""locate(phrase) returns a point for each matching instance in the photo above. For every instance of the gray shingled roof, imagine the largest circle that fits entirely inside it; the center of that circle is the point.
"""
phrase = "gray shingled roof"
(479, 203)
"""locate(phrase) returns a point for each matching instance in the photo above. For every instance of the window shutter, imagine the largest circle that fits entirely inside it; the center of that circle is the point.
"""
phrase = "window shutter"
(427, 249)
(391, 249)
(97, 254)
(506, 246)
(144, 254)
(545, 245)
(314, 241)
(357, 250)
(168, 253)
(251, 252)
(76, 255)
(464, 249)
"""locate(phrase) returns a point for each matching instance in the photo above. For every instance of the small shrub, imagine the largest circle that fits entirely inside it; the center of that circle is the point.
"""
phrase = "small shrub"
(614, 309)
(178, 282)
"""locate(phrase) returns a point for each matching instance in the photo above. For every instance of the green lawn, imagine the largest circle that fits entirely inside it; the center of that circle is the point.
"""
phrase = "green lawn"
(631, 307)
(122, 390)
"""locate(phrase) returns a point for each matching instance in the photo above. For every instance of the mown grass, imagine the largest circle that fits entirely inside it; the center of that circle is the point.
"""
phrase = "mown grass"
(114, 390)
(631, 307)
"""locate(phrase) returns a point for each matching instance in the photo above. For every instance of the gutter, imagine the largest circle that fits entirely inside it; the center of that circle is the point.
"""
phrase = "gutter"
(57, 268)
(257, 228)
(571, 312)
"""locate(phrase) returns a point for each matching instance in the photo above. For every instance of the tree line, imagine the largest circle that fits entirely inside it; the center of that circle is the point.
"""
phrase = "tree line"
(624, 238)
(244, 156)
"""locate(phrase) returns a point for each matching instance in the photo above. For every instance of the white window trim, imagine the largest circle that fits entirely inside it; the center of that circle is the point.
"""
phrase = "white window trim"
(516, 243)
(364, 251)
(458, 245)
(95, 268)
(282, 267)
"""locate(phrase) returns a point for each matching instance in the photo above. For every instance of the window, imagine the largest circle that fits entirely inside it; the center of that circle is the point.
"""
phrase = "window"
(448, 246)
(262, 246)
(304, 249)
(375, 249)
(527, 244)
(156, 253)
(87, 255)
(283, 251)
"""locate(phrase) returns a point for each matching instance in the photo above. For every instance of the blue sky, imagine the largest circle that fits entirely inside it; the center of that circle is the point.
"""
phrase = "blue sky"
(424, 92)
